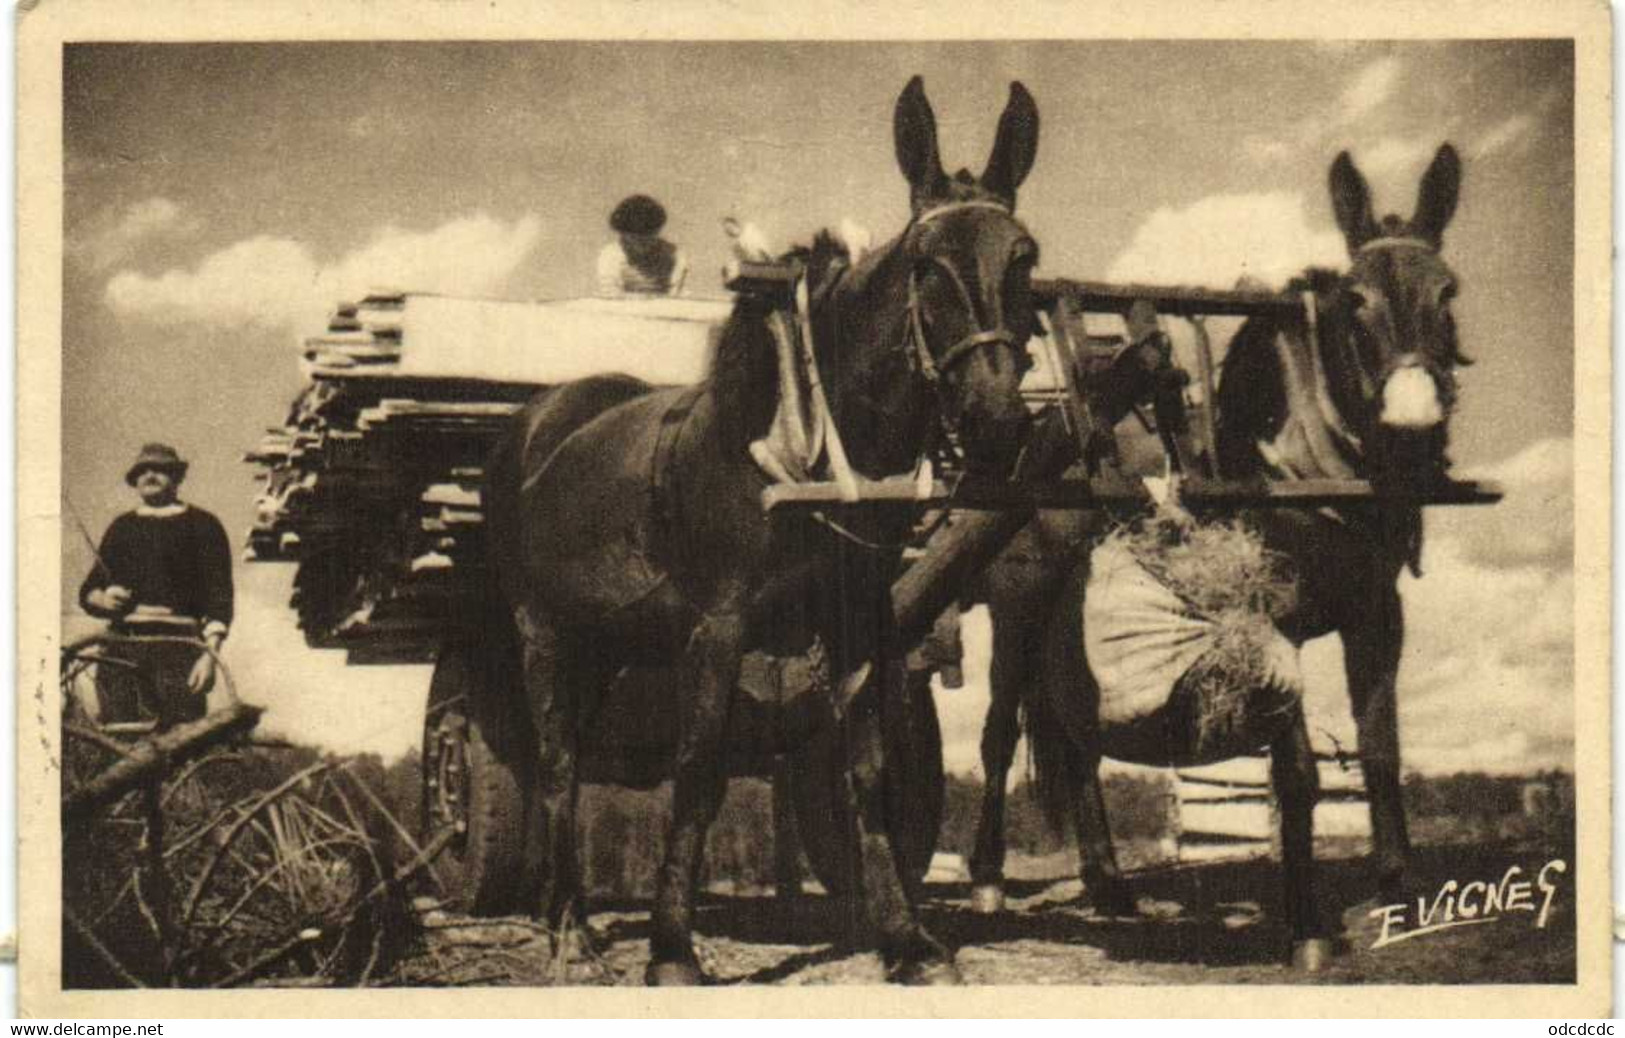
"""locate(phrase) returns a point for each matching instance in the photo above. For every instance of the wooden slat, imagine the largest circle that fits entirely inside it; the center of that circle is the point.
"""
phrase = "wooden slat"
(1227, 850)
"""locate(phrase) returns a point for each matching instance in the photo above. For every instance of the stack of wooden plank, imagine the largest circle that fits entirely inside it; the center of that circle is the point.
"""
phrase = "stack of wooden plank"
(372, 484)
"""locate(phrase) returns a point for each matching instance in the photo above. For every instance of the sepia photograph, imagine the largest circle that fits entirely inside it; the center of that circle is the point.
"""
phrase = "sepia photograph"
(517, 506)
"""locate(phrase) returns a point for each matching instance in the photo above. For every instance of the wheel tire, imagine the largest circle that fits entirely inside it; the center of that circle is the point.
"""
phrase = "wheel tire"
(477, 767)
(914, 797)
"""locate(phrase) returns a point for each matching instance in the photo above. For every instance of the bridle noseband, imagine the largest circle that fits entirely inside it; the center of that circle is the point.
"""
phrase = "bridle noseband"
(931, 368)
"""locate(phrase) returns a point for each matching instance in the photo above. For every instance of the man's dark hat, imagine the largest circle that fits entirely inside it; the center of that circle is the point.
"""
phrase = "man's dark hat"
(638, 214)
(156, 456)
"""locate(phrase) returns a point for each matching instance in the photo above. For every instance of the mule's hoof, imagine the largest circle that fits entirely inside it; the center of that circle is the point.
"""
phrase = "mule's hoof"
(930, 973)
(987, 899)
(1313, 955)
(675, 975)
(1115, 902)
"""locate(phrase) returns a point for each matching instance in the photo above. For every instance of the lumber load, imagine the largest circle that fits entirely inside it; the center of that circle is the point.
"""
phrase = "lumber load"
(372, 483)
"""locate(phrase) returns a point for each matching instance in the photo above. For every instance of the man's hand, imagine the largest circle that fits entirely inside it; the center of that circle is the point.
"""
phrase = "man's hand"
(202, 677)
(115, 599)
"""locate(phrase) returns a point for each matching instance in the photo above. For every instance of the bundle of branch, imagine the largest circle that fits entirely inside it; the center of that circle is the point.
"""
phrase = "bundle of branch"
(1180, 632)
(241, 866)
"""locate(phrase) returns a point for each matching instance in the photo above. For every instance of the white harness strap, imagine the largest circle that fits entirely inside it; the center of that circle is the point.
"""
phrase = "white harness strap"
(1396, 243)
(948, 207)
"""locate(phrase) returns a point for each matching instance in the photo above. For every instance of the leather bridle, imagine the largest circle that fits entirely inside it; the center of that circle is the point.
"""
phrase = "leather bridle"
(931, 368)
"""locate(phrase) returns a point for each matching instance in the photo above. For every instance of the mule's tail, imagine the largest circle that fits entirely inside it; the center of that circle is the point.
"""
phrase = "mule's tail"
(1057, 764)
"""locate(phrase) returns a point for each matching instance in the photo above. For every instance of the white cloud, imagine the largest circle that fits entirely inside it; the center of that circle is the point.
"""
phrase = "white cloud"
(1366, 92)
(278, 283)
(1267, 149)
(1220, 239)
(313, 697)
(1371, 86)
(1508, 134)
(1534, 524)
(1513, 133)
(1391, 156)
(114, 235)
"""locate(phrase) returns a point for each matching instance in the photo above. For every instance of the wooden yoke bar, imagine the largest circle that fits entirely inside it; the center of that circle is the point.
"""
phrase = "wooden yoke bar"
(1104, 298)
(1107, 491)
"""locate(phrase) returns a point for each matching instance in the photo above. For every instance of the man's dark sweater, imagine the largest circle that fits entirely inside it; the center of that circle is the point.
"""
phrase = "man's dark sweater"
(181, 561)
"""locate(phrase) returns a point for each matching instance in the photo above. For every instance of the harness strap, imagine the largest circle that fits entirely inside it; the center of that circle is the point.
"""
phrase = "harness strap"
(949, 207)
(1323, 396)
(1396, 242)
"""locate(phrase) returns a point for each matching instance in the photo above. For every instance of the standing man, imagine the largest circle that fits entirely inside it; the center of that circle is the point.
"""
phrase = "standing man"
(163, 569)
(640, 262)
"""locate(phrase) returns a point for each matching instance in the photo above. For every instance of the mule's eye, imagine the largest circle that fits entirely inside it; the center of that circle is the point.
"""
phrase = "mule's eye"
(1358, 300)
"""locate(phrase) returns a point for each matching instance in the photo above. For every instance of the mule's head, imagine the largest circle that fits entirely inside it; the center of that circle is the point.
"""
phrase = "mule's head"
(970, 276)
(1396, 301)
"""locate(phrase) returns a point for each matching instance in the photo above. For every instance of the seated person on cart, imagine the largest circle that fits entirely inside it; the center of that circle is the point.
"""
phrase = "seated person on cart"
(162, 572)
(640, 262)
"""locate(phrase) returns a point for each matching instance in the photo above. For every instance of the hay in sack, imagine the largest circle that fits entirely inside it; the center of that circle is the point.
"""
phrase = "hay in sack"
(1179, 629)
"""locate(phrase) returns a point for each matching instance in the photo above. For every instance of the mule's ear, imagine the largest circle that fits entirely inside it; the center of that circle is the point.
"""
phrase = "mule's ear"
(1015, 147)
(1351, 203)
(914, 131)
(1436, 201)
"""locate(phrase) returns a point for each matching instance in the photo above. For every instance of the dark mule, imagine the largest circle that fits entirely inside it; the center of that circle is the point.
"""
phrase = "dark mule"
(1372, 402)
(628, 530)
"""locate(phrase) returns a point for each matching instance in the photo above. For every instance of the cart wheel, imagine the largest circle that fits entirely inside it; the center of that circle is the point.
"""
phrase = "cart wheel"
(914, 796)
(476, 773)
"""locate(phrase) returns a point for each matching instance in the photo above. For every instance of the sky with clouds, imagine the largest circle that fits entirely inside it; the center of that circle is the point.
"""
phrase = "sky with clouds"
(220, 198)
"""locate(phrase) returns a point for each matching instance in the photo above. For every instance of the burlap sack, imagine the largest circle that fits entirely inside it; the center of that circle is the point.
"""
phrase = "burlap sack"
(1156, 663)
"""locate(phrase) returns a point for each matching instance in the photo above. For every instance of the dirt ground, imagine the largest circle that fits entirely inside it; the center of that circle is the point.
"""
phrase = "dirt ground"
(1212, 924)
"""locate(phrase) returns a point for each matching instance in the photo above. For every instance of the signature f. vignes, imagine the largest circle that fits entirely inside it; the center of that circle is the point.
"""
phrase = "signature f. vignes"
(1473, 903)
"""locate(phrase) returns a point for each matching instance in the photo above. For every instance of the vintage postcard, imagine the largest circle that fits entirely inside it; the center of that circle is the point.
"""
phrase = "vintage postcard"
(645, 511)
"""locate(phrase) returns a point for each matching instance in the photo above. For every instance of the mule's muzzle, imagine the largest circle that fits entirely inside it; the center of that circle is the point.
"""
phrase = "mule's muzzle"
(1412, 397)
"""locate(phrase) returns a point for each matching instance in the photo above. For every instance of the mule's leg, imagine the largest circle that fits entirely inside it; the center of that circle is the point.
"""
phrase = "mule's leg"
(711, 670)
(1020, 607)
(550, 856)
(1371, 654)
(1297, 786)
(911, 955)
(1102, 878)
(1000, 733)
(786, 837)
